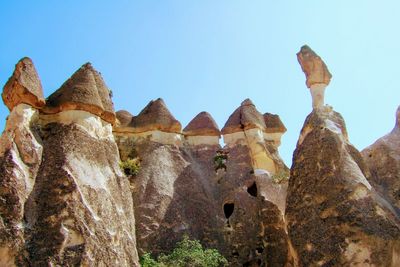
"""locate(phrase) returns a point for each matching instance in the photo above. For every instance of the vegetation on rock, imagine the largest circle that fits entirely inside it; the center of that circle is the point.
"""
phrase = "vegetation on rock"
(130, 166)
(188, 253)
(280, 177)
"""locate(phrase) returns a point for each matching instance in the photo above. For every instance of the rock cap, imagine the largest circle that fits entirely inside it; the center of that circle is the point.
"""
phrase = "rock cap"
(84, 90)
(124, 118)
(156, 116)
(273, 124)
(23, 86)
(243, 118)
(313, 67)
(202, 125)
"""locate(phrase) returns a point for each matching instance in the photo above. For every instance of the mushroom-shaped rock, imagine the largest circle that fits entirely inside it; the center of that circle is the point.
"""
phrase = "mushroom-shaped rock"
(274, 128)
(85, 90)
(273, 124)
(124, 118)
(243, 118)
(156, 116)
(317, 74)
(202, 125)
(23, 86)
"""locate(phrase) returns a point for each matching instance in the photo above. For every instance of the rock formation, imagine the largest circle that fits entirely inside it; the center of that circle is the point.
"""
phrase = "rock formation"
(317, 74)
(86, 91)
(24, 86)
(65, 194)
(383, 160)
(64, 200)
(330, 198)
(20, 157)
(202, 130)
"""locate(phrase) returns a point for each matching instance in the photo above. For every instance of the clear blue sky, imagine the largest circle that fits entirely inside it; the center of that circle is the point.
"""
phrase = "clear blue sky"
(210, 55)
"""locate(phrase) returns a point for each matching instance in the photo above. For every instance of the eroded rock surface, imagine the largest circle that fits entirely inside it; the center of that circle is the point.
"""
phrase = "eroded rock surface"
(330, 199)
(383, 160)
(64, 200)
(23, 86)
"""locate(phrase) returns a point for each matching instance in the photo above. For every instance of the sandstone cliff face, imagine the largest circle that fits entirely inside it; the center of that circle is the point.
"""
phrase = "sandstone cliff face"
(64, 196)
(383, 160)
(330, 199)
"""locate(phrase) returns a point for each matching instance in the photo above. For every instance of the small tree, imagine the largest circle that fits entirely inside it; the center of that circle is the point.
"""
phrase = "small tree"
(188, 253)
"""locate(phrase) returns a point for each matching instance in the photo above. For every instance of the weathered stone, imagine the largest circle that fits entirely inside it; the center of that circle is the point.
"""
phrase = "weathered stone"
(273, 124)
(23, 86)
(334, 217)
(20, 158)
(317, 74)
(383, 160)
(313, 67)
(244, 117)
(80, 211)
(85, 90)
(156, 116)
(202, 125)
(124, 118)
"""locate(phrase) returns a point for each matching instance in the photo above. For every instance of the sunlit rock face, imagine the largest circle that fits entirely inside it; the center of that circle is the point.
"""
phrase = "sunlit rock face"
(23, 86)
(383, 160)
(330, 199)
(247, 126)
(317, 74)
(65, 196)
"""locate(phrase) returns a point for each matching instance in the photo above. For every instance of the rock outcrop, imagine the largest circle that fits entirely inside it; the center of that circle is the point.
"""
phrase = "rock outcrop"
(64, 194)
(86, 91)
(383, 160)
(317, 74)
(247, 126)
(330, 199)
(202, 130)
(20, 157)
(23, 86)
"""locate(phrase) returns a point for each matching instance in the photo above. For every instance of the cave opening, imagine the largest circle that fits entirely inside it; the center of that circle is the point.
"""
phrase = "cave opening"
(228, 209)
(252, 190)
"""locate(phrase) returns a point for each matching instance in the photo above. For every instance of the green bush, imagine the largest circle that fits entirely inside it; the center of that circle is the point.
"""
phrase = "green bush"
(281, 176)
(188, 253)
(220, 160)
(130, 167)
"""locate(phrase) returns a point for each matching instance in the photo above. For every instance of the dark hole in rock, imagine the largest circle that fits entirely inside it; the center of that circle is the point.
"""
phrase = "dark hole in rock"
(228, 209)
(246, 264)
(252, 190)
(259, 262)
(260, 250)
(235, 254)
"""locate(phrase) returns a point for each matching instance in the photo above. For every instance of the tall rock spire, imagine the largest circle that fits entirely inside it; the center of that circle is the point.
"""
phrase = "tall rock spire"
(317, 74)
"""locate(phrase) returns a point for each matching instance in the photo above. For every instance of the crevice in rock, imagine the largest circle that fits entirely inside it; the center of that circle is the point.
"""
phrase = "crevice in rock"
(252, 189)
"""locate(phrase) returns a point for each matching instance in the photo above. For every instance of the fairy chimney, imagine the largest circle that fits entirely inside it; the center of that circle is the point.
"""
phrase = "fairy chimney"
(317, 74)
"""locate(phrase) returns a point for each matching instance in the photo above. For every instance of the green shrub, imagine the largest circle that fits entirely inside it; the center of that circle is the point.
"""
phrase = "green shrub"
(220, 160)
(130, 167)
(188, 253)
(281, 176)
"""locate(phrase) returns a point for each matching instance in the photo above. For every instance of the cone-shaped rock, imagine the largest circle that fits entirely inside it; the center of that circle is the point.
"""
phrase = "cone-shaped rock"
(202, 125)
(243, 118)
(85, 90)
(313, 67)
(156, 116)
(23, 86)
(124, 118)
(334, 216)
(273, 124)
(383, 160)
